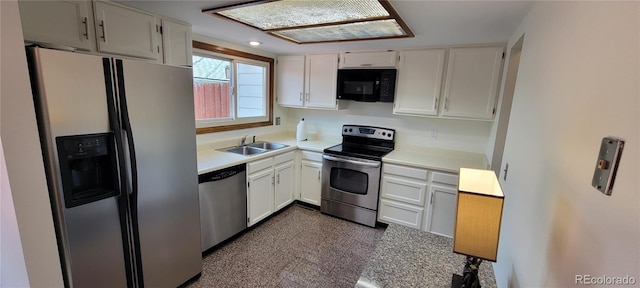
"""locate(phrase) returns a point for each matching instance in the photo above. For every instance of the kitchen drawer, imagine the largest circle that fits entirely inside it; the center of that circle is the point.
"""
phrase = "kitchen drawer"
(444, 178)
(313, 156)
(283, 158)
(260, 165)
(398, 213)
(405, 171)
(407, 190)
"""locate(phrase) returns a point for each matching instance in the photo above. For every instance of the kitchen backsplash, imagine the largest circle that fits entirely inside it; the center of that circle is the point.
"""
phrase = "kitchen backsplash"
(465, 135)
(455, 134)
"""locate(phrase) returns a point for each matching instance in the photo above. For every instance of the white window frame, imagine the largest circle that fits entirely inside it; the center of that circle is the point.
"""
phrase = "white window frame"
(234, 120)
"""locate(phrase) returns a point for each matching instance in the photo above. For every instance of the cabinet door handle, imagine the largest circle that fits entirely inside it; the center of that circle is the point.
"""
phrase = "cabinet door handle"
(446, 104)
(273, 181)
(86, 28)
(435, 105)
(318, 174)
(431, 200)
(278, 178)
(308, 96)
(104, 34)
(300, 96)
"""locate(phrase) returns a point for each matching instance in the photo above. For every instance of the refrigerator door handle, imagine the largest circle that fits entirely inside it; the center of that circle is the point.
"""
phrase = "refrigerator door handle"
(133, 207)
(123, 200)
(126, 127)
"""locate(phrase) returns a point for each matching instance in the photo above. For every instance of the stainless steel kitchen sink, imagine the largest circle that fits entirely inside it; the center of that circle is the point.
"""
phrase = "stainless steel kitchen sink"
(244, 150)
(254, 148)
(268, 145)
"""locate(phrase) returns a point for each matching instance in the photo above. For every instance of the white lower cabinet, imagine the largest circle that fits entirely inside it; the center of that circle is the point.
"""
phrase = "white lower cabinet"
(441, 216)
(310, 177)
(418, 198)
(259, 196)
(402, 195)
(269, 186)
(283, 189)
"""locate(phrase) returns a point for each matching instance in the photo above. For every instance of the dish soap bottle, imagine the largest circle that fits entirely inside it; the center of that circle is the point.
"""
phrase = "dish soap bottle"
(301, 131)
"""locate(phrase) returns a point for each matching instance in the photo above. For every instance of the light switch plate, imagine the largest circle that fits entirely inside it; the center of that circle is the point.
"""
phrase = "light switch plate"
(607, 164)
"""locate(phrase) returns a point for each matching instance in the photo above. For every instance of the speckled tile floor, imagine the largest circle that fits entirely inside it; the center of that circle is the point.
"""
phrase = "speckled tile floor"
(298, 247)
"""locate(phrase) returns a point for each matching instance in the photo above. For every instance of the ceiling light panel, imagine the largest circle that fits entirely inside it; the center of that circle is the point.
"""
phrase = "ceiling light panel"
(297, 13)
(314, 21)
(344, 32)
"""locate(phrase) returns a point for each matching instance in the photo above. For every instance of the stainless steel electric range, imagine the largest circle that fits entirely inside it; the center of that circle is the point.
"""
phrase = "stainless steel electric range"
(351, 173)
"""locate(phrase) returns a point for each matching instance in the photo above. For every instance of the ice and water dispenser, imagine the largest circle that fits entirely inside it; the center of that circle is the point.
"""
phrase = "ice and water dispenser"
(88, 168)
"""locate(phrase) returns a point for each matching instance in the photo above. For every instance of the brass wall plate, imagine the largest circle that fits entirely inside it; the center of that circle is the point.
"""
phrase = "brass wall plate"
(607, 164)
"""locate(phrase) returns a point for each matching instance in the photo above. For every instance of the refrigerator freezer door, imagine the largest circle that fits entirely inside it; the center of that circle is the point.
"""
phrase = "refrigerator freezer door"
(71, 100)
(159, 100)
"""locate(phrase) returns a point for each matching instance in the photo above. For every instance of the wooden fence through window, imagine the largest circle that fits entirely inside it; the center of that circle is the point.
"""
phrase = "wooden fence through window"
(211, 100)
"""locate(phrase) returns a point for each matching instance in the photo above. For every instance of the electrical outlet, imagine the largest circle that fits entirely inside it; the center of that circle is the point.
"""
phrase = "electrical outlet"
(433, 134)
(277, 120)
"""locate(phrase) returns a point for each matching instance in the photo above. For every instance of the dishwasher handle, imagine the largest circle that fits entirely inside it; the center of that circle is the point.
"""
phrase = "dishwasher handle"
(221, 174)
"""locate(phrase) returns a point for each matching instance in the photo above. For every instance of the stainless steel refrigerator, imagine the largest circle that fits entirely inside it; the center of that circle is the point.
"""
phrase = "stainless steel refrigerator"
(118, 140)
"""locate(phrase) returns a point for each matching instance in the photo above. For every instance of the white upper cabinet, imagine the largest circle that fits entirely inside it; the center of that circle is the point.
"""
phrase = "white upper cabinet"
(106, 27)
(308, 81)
(66, 23)
(290, 80)
(471, 85)
(176, 43)
(385, 59)
(321, 81)
(419, 82)
(125, 31)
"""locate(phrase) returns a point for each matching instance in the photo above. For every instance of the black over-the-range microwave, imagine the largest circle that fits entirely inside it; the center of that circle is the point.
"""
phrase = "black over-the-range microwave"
(367, 85)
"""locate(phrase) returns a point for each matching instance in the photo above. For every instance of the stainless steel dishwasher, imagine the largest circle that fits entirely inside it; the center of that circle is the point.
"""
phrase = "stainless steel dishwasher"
(223, 204)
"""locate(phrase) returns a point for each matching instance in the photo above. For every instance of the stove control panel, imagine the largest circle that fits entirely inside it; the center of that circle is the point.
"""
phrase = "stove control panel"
(368, 132)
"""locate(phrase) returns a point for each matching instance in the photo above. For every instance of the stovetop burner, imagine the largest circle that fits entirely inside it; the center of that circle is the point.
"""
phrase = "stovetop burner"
(358, 151)
(364, 142)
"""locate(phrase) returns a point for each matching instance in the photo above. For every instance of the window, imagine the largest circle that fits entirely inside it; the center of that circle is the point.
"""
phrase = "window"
(232, 89)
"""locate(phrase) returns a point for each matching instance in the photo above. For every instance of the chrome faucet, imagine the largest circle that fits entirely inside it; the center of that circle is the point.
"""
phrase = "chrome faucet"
(244, 139)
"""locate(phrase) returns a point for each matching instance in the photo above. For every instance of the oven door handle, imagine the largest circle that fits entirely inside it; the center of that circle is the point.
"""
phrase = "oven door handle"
(336, 159)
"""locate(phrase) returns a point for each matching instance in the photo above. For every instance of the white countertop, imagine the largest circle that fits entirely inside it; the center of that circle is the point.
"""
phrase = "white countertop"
(435, 158)
(417, 156)
(211, 159)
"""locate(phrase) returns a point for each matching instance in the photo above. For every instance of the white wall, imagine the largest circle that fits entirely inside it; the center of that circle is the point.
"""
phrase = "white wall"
(13, 272)
(465, 135)
(25, 169)
(578, 81)
(204, 139)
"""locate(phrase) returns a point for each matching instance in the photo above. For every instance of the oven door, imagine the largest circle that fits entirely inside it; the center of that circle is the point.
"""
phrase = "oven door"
(351, 180)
